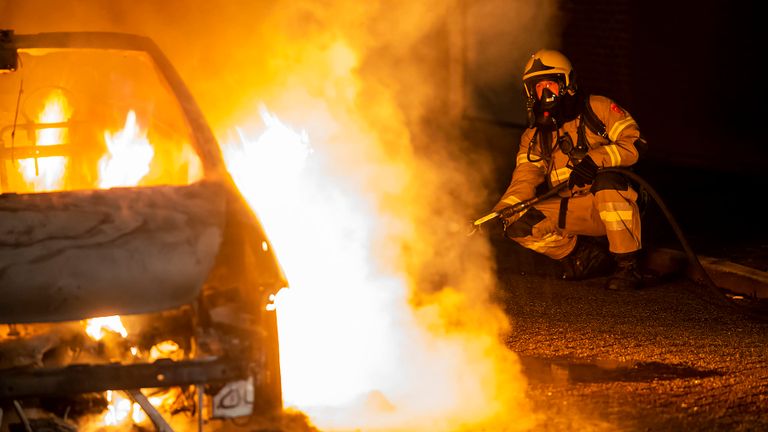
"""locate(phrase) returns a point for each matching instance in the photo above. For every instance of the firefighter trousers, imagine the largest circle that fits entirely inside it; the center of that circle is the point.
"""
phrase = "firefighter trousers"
(551, 226)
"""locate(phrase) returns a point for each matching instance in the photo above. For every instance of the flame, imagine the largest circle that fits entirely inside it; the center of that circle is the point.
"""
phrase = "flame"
(138, 415)
(47, 173)
(353, 352)
(118, 410)
(327, 273)
(165, 349)
(96, 328)
(280, 153)
(128, 156)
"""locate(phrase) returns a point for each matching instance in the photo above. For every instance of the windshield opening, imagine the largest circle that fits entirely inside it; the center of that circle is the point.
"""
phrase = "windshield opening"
(90, 119)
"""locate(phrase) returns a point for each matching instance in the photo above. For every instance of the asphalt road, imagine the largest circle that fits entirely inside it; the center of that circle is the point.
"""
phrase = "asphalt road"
(663, 358)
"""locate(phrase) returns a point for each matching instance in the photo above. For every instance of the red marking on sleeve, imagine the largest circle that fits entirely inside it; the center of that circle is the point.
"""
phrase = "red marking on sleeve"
(615, 108)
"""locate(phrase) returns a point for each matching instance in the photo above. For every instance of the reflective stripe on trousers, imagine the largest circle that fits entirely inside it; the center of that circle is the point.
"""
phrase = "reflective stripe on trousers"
(609, 212)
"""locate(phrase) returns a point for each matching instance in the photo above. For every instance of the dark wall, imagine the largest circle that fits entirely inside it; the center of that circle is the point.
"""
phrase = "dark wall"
(688, 72)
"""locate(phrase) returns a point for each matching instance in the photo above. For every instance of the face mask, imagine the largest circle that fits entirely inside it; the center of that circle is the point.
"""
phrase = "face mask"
(548, 100)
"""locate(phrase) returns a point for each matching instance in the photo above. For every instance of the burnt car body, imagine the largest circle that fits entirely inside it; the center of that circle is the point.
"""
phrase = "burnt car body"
(179, 256)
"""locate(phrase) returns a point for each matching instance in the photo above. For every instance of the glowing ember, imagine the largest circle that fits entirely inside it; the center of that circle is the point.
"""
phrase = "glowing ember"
(165, 349)
(119, 409)
(47, 173)
(138, 415)
(96, 328)
(128, 157)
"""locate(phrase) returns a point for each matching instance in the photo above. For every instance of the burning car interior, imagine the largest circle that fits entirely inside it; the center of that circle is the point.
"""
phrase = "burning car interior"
(136, 285)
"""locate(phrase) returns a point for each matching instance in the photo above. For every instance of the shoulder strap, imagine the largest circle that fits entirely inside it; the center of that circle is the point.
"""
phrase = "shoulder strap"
(589, 118)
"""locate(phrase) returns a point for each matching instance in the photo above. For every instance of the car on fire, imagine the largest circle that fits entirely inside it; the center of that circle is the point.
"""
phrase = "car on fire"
(130, 265)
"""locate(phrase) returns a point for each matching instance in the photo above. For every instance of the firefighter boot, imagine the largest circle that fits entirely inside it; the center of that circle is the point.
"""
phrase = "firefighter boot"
(627, 276)
(590, 258)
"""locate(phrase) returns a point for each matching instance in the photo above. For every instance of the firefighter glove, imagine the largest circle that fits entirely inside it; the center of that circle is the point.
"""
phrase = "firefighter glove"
(583, 173)
(510, 215)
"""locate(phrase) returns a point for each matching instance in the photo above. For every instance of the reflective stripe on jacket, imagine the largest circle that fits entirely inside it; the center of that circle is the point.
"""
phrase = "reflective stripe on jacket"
(617, 150)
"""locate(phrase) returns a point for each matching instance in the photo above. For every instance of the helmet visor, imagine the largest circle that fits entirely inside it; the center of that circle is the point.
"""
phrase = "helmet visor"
(530, 83)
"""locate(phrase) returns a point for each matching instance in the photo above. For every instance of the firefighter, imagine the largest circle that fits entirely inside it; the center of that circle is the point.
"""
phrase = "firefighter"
(570, 137)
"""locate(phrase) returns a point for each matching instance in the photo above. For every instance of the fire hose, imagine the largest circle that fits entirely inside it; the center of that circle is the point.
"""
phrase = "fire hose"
(698, 273)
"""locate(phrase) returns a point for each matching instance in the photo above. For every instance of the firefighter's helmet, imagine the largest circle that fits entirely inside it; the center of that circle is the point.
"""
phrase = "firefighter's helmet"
(550, 110)
(548, 64)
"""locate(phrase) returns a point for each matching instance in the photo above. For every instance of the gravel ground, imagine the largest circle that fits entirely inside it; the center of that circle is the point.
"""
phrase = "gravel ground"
(663, 358)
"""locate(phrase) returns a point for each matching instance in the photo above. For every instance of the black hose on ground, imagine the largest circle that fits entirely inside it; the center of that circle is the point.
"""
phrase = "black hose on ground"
(698, 273)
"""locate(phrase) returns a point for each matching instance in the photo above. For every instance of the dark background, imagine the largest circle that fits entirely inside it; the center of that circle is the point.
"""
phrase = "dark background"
(690, 74)
(686, 70)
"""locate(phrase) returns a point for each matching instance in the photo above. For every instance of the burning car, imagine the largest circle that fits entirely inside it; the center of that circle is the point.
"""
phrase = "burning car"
(135, 281)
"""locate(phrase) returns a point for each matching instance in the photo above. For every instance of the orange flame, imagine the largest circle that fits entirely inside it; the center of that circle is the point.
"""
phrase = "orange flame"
(47, 173)
(119, 409)
(128, 157)
(96, 328)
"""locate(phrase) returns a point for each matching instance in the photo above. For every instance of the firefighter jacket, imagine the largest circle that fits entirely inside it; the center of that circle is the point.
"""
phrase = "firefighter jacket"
(616, 147)
(552, 226)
